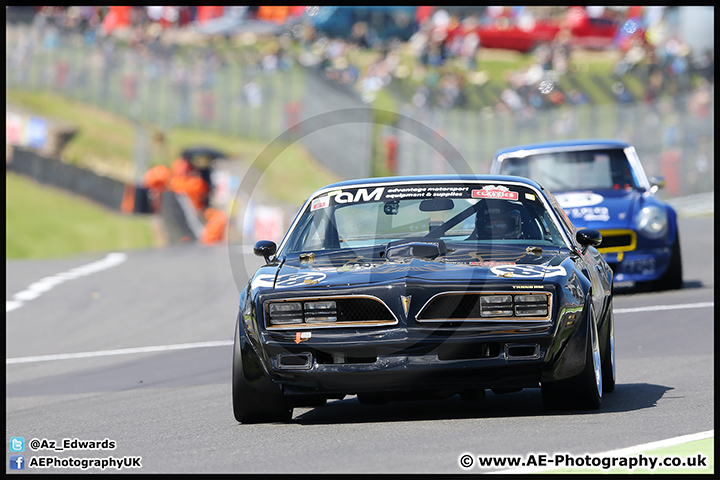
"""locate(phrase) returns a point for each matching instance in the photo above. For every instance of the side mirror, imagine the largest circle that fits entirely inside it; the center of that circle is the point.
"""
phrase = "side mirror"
(656, 183)
(587, 238)
(265, 249)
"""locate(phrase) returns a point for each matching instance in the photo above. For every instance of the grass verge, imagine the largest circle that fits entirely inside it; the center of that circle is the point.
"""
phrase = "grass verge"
(43, 222)
(105, 144)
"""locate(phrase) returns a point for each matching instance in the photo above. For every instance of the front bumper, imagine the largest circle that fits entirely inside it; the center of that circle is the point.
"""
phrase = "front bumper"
(395, 361)
(640, 265)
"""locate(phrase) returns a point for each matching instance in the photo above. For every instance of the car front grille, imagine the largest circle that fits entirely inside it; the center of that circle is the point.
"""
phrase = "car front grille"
(324, 312)
(487, 306)
(617, 241)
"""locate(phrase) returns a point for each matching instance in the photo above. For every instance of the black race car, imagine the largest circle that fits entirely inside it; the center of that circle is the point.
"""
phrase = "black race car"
(421, 287)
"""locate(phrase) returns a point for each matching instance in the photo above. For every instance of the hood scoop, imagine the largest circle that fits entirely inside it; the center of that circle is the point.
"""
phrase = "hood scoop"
(415, 248)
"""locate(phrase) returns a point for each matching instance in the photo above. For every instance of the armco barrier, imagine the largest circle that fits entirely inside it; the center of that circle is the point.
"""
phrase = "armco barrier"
(173, 216)
(108, 192)
(103, 190)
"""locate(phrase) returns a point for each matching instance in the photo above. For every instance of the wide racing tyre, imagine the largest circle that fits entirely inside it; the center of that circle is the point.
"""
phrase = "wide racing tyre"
(672, 279)
(608, 362)
(584, 391)
(251, 405)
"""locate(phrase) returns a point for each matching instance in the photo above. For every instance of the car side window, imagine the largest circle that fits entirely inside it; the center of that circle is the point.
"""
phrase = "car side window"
(567, 224)
(312, 234)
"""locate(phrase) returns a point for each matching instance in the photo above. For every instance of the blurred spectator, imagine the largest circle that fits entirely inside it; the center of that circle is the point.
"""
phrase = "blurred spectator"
(511, 99)
(705, 65)
(359, 36)
(463, 40)
(632, 57)
(700, 101)
(206, 13)
(117, 17)
(252, 94)
(561, 49)
(543, 56)
(422, 16)
(621, 93)
(215, 225)
(186, 180)
(156, 180)
(576, 97)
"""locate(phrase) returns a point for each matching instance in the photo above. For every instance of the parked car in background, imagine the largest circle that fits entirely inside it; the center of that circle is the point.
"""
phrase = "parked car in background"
(587, 32)
(601, 185)
(419, 287)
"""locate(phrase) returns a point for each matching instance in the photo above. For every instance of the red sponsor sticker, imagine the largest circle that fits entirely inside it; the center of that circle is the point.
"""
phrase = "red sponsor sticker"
(320, 202)
(498, 192)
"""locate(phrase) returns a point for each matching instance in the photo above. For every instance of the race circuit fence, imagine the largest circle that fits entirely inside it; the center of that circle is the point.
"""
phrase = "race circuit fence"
(243, 94)
(674, 139)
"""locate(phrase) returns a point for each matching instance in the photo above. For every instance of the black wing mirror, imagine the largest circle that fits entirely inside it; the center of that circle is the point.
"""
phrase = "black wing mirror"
(265, 249)
(587, 238)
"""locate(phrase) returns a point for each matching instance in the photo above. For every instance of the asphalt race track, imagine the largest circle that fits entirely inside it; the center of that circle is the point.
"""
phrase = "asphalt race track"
(173, 408)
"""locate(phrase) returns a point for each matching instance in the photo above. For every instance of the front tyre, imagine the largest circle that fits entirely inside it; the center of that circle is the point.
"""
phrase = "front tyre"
(672, 279)
(584, 391)
(251, 405)
(608, 363)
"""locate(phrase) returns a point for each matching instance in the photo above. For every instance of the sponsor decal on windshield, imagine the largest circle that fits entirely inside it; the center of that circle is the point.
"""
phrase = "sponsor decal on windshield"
(498, 192)
(361, 195)
(427, 192)
(404, 192)
(320, 202)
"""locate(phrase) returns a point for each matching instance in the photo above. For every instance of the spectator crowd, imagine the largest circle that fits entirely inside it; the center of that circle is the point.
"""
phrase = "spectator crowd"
(444, 48)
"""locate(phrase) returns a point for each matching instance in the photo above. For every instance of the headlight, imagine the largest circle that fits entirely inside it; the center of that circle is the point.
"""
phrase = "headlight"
(652, 222)
(285, 313)
(531, 305)
(496, 306)
(288, 313)
(320, 312)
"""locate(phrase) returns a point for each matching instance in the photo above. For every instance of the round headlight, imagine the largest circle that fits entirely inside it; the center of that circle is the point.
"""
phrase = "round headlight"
(652, 222)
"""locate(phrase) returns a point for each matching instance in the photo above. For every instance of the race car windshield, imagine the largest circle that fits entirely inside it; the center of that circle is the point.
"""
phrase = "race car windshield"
(575, 170)
(463, 214)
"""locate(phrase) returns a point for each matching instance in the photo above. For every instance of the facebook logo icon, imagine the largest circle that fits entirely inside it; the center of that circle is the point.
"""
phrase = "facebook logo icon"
(17, 462)
(17, 444)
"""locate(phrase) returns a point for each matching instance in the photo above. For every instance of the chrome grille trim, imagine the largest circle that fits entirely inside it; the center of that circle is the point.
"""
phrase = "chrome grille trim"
(514, 318)
(336, 324)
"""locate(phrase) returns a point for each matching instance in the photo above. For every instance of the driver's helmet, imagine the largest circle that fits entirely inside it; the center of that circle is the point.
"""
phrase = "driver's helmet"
(501, 220)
